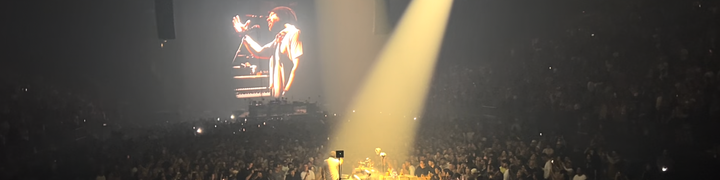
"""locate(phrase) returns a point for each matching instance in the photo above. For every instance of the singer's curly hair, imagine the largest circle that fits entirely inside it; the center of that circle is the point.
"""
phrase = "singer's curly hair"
(285, 14)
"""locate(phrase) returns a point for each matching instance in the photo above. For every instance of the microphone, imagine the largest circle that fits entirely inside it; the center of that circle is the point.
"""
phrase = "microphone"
(254, 16)
(252, 27)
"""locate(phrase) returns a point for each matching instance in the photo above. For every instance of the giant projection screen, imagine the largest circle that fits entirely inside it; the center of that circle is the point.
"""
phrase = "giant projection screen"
(273, 58)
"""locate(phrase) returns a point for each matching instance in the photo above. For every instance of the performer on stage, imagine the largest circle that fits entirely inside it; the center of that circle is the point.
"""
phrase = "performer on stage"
(284, 50)
(382, 164)
(378, 160)
(332, 167)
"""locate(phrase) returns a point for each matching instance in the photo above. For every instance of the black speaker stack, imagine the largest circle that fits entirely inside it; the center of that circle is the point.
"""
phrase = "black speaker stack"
(165, 19)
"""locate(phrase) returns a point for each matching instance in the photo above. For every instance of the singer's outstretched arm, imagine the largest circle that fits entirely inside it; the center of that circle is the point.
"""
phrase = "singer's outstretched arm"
(255, 48)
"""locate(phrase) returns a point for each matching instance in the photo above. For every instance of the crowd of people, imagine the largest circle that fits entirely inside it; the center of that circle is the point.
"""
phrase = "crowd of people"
(449, 147)
(294, 149)
(634, 72)
(491, 149)
(632, 77)
(37, 119)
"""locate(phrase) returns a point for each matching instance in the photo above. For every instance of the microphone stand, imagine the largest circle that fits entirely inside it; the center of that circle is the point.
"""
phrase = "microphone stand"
(242, 41)
(384, 169)
(339, 170)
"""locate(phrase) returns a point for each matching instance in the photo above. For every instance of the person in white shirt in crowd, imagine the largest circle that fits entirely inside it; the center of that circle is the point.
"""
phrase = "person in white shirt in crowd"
(332, 165)
(412, 170)
(506, 174)
(307, 173)
(580, 175)
(548, 169)
(100, 176)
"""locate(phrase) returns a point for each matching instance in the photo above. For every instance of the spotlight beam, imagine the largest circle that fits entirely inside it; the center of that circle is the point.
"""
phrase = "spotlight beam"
(397, 84)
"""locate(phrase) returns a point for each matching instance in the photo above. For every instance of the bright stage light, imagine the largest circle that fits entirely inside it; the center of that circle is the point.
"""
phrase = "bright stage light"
(398, 82)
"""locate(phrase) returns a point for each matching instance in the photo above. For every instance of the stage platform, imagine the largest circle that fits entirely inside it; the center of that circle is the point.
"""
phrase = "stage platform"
(379, 177)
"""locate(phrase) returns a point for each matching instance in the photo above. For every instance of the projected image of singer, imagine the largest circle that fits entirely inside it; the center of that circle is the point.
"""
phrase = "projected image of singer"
(283, 52)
